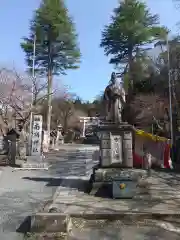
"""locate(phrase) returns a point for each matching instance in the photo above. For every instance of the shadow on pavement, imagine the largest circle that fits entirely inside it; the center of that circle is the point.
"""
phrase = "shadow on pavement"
(79, 184)
(25, 226)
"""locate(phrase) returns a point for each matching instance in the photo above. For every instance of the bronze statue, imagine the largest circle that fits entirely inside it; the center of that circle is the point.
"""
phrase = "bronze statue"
(114, 96)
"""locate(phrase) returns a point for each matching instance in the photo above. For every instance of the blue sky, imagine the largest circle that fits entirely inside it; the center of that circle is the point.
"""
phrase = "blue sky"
(89, 17)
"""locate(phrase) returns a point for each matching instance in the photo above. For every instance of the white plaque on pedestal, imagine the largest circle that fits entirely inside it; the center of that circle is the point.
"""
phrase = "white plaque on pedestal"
(36, 136)
(116, 149)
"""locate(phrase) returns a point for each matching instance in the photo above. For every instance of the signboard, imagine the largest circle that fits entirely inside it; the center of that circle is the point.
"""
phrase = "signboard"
(116, 149)
(36, 135)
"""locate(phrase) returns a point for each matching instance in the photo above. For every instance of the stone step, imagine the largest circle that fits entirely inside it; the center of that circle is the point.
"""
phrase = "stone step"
(107, 174)
(91, 226)
(84, 162)
(45, 235)
(33, 166)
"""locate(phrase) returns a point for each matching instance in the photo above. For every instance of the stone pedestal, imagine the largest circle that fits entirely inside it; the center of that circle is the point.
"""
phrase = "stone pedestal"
(108, 182)
(116, 145)
(109, 174)
(114, 173)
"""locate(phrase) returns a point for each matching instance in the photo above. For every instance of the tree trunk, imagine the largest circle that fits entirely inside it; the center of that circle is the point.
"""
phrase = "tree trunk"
(49, 90)
(130, 95)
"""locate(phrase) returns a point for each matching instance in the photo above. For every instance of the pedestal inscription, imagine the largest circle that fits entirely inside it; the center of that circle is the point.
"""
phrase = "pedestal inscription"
(116, 149)
(111, 149)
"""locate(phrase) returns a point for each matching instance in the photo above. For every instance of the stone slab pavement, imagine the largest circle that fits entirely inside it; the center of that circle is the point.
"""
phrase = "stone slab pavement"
(117, 230)
(23, 192)
(163, 197)
(21, 197)
(71, 180)
(162, 191)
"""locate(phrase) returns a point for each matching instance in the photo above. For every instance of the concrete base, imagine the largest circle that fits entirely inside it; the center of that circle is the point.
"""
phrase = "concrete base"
(4, 160)
(107, 182)
(33, 163)
(48, 223)
(110, 174)
(33, 166)
(35, 158)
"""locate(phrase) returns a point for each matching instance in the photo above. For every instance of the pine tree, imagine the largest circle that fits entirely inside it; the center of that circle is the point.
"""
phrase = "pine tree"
(131, 29)
(56, 43)
(56, 39)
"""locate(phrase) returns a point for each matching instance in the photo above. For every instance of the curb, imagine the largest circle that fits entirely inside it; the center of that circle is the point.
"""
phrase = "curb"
(59, 222)
(111, 216)
(33, 166)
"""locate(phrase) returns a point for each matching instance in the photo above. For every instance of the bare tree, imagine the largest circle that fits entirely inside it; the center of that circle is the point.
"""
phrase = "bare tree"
(63, 109)
(20, 94)
(151, 109)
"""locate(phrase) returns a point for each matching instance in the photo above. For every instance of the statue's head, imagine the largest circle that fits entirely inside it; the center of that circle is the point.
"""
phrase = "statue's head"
(113, 77)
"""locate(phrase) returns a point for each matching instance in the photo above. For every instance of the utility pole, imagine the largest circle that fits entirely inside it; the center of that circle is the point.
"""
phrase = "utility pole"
(32, 94)
(170, 90)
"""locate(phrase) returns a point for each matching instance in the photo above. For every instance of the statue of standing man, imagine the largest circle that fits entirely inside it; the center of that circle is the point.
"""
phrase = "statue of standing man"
(114, 96)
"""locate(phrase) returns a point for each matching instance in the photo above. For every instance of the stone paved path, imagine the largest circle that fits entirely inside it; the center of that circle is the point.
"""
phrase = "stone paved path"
(120, 231)
(163, 194)
(19, 197)
(163, 197)
(21, 193)
(24, 192)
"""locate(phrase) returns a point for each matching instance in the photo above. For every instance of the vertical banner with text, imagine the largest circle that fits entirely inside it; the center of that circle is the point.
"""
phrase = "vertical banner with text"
(36, 135)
